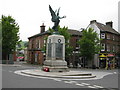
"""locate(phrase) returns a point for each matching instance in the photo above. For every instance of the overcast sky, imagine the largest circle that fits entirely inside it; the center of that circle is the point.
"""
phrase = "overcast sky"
(30, 14)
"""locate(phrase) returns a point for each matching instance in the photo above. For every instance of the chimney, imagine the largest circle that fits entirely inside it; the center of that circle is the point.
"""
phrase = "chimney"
(93, 21)
(42, 28)
(109, 24)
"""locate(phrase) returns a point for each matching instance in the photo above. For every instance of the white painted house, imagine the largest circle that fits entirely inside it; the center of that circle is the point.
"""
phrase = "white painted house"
(110, 43)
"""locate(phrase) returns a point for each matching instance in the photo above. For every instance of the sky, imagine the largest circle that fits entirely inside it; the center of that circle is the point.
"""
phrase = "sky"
(30, 14)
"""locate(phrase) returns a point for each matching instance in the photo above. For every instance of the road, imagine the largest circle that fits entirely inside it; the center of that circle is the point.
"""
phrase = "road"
(12, 80)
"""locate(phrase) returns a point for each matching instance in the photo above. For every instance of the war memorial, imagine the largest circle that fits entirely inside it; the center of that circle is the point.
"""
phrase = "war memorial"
(55, 65)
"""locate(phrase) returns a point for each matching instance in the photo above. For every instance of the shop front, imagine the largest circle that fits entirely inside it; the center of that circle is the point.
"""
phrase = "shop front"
(111, 59)
(102, 60)
(105, 59)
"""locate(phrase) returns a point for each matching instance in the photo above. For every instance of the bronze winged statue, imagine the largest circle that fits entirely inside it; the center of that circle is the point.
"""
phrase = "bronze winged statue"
(55, 18)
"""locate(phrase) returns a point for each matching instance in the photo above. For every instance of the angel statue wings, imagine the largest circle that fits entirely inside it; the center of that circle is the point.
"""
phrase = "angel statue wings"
(55, 18)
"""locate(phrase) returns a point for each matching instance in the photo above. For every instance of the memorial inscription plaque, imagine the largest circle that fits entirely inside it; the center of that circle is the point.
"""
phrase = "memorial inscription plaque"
(59, 51)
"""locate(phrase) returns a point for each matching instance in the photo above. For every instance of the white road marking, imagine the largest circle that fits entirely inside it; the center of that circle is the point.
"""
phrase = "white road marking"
(79, 84)
(97, 86)
(91, 87)
(73, 82)
(85, 84)
(115, 72)
(70, 82)
(67, 82)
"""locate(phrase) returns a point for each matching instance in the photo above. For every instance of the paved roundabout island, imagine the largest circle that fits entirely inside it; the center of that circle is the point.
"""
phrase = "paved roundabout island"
(72, 74)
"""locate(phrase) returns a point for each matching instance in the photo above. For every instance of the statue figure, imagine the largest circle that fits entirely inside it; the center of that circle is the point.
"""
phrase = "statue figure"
(55, 18)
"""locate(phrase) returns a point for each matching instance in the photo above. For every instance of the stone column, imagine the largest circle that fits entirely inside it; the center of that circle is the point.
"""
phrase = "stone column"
(55, 54)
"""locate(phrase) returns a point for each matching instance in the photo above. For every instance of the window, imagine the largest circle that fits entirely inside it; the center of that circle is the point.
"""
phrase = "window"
(113, 37)
(117, 48)
(103, 35)
(44, 42)
(32, 44)
(39, 43)
(113, 48)
(77, 45)
(103, 47)
(68, 43)
(108, 36)
(108, 47)
(36, 43)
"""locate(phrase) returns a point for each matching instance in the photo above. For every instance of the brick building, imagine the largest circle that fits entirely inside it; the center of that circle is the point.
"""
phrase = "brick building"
(110, 42)
(37, 42)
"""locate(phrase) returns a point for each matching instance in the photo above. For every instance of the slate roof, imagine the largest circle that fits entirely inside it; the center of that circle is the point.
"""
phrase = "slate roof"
(74, 32)
(39, 34)
(71, 31)
(106, 28)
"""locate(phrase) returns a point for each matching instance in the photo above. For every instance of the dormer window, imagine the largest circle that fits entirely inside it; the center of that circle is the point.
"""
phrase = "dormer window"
(102, 35)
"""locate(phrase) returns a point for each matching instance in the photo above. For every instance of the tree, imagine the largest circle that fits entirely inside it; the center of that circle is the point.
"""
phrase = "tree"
(62, 31)
(89, 44)
(10, 35)
(68, 49)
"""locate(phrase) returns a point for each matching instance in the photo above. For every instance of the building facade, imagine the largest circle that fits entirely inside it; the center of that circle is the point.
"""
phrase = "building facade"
(110, 42)
(38, 41)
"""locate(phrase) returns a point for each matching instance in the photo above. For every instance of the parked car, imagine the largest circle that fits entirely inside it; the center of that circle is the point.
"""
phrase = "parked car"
(20, 58)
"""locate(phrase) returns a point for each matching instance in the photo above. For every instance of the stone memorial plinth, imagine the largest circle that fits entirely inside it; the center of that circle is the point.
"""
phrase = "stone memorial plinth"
(55, 54)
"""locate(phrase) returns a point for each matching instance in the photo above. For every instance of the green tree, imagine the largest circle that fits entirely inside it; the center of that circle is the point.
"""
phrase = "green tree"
(10, 35)
(68, 49)
(89, 44)
(62, 31)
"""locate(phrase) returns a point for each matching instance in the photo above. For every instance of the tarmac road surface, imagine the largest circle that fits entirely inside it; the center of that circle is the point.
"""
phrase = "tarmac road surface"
(12, 80)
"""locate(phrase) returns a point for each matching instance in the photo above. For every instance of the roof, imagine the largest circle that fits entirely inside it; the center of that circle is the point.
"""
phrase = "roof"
(39, 34)
(74, 32)
(71, 31)
(106, 28)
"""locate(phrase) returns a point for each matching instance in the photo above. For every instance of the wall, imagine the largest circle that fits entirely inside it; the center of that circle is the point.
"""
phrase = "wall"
(93, 25)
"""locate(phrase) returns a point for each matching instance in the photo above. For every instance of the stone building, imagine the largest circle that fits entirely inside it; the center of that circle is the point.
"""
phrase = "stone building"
(37, 42)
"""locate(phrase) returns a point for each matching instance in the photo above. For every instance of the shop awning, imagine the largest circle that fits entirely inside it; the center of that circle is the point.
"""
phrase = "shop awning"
(110, 55)
(102, 56)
